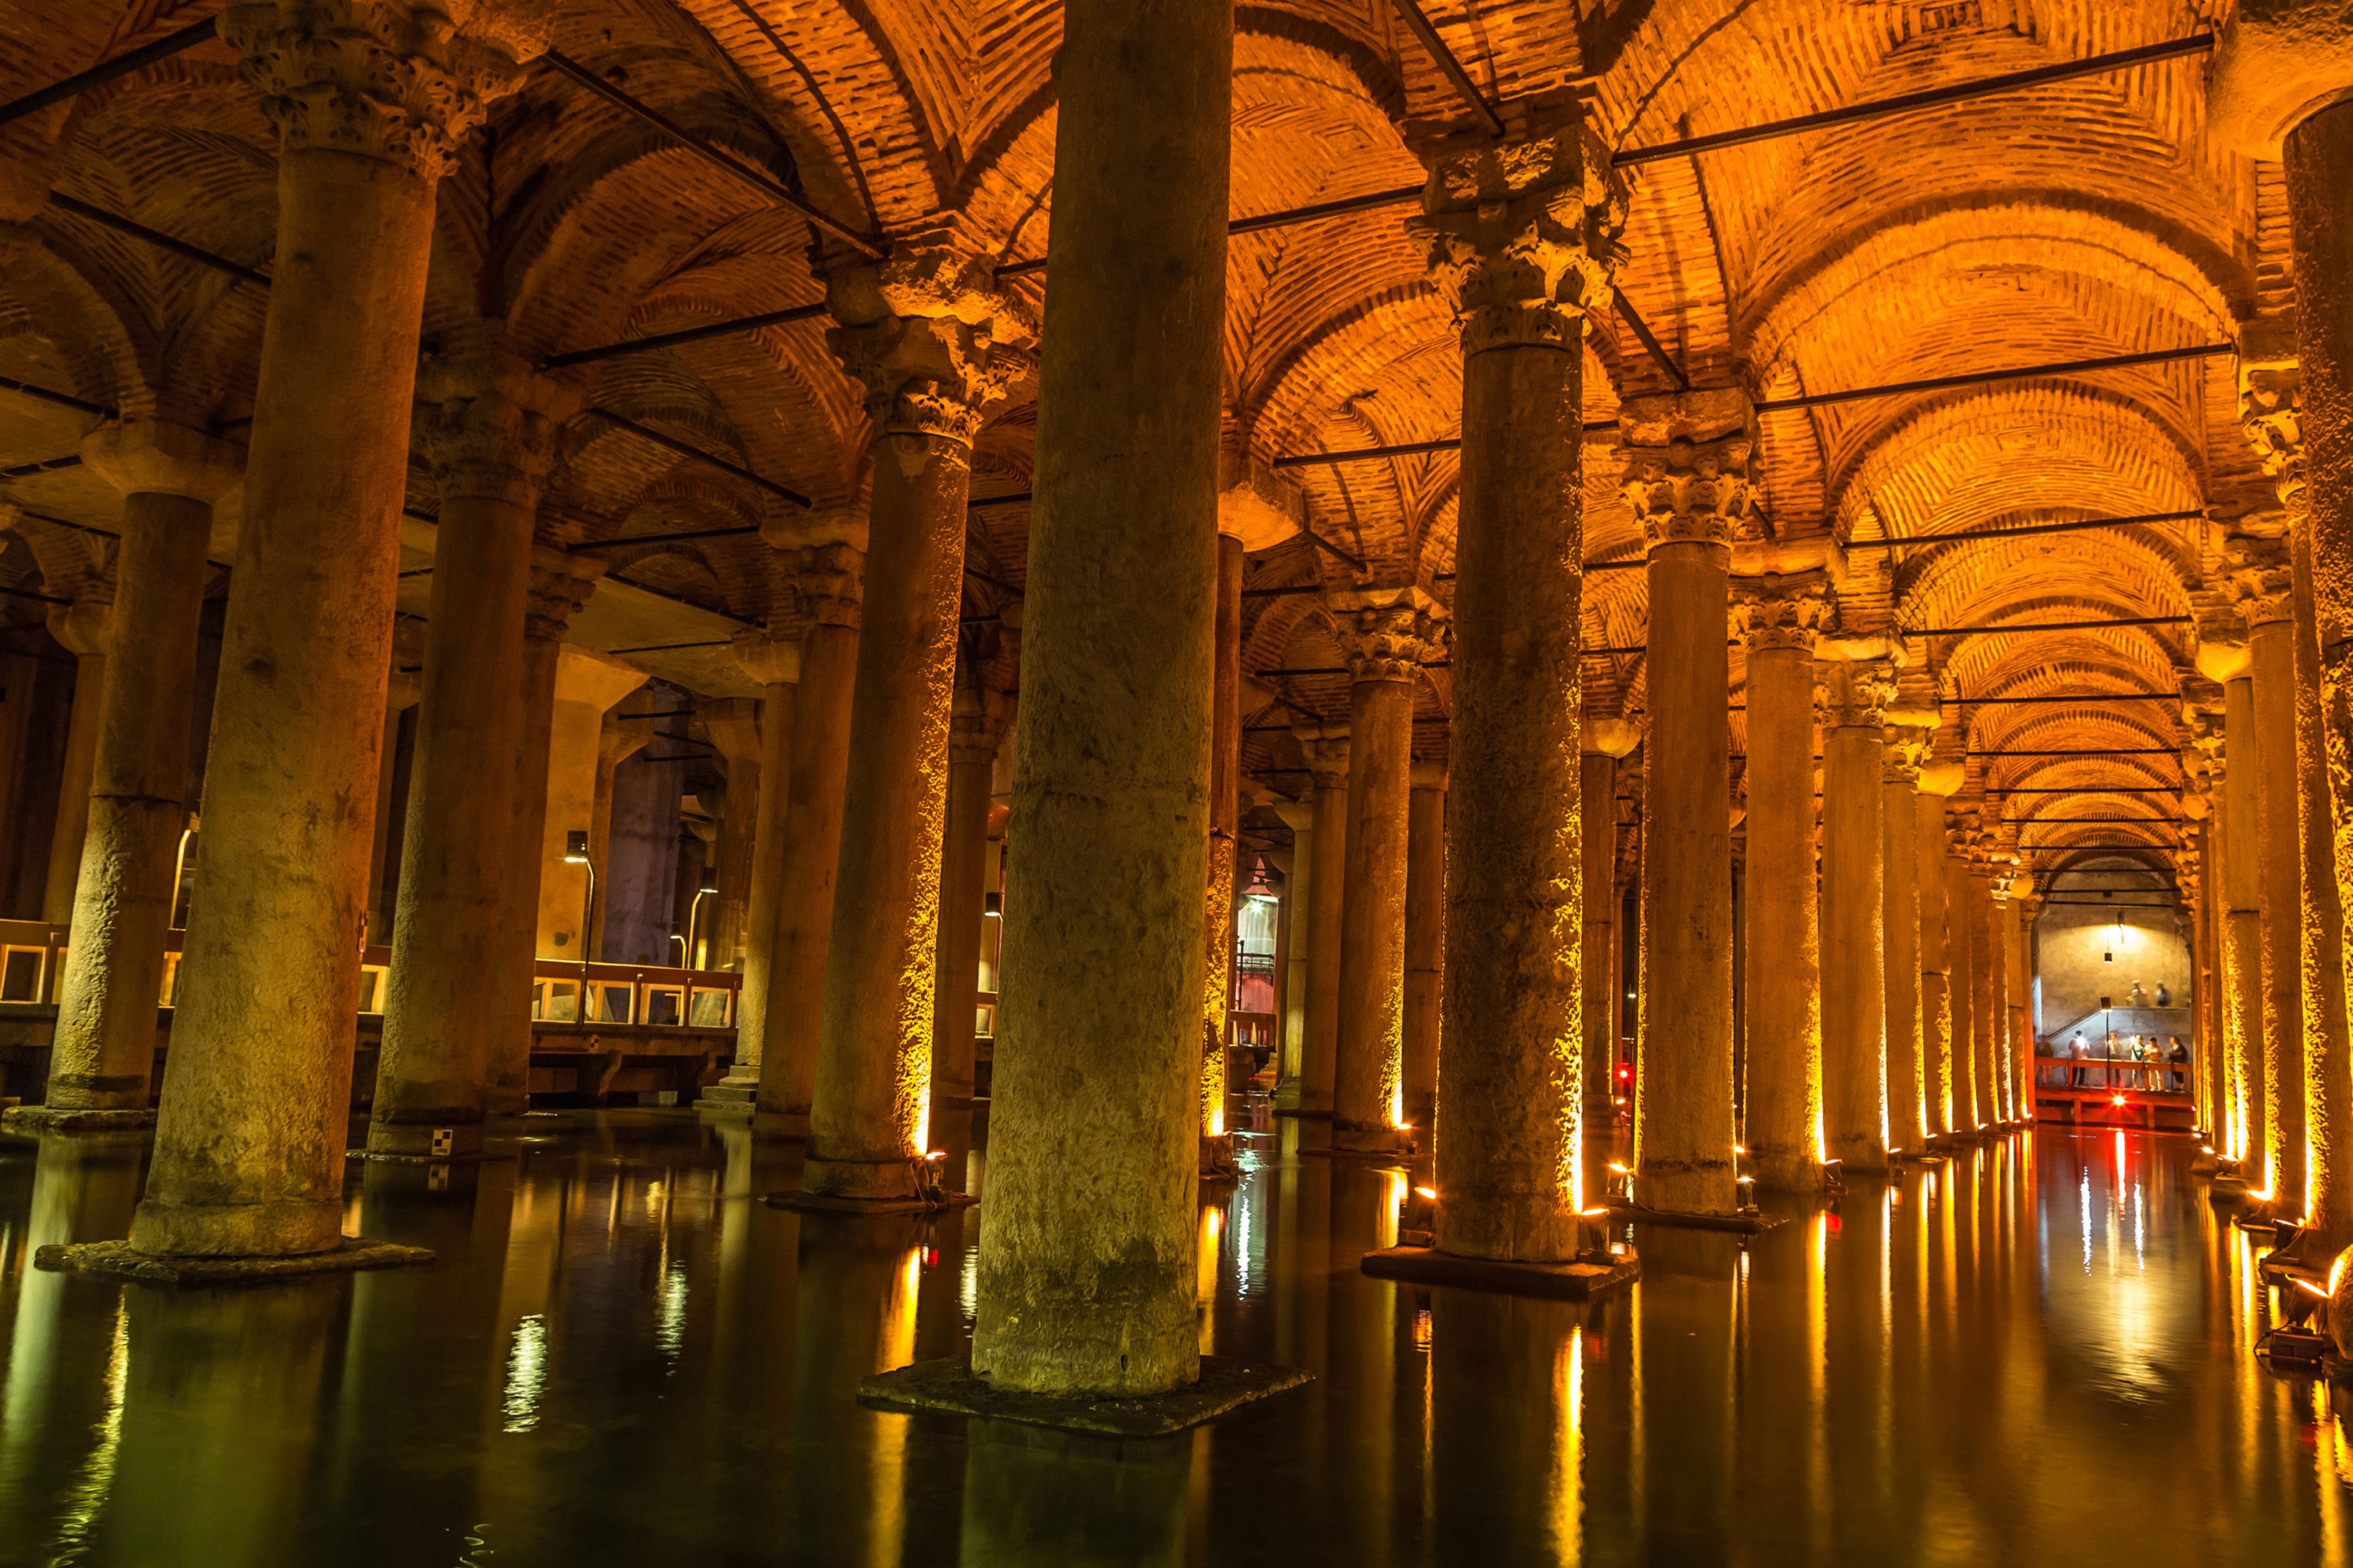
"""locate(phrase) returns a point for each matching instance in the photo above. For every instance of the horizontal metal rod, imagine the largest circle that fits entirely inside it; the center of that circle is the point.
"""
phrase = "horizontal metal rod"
(1982, 377)
(670, 647)
(1419, 25)
(1315, 538)
(661, 713)
(2113, 751)
(29, 594)
(2091, 697)
(684, 335)
(681, 757)
(700, 456)
(121, 64)
(2093, 821)
(1021, 497)
(1930, 97)
(79, 405)
(2044, 627)
(2025, 530)
(159, 239)
(2084, 789)
(1370, 201)
(2103, 904)
(871, 249)
(45, 466)
(1650, 344)
(663, 538)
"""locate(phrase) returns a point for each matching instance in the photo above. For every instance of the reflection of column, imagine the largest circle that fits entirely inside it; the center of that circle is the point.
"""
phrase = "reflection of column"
(1094, 1291)
(587, 684)
(82, 627)
(1688, 476)
(1854, 1015)
(1384, 634)
(2262, 583)
(773, 664)
(1325, 748)
(560, 584)
(1506, 1439)
(249, 1142)
(136, 799)
(976, 727)
(1900, 870)
(1425, 941)
(1778, 619)
(790, 974)
(1033, 1495)
(1963, 935)
(917, 333)
(1937, 781)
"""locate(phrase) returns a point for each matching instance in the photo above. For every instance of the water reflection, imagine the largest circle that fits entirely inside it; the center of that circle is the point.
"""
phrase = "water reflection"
(2031, 1352)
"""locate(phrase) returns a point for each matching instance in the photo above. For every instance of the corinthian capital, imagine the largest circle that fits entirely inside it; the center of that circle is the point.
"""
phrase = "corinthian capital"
(402, 83)
(2263, 577)
(1325, 747)
(1522, 236)
(2268, 413)
(1386, 633)
(1905, 755)
(487, 421)
(1691, 473)
(1854, 694)
(560, 584)
(929, 337)
(1773, 611)
(830, 581)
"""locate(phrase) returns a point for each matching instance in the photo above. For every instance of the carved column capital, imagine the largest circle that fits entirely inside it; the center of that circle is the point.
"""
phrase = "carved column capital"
(560, 584)
(401, 83)
(1325, 748)
(1523, 237)
(487, 422)
(1854, 694)
(976, 725)
(1905, 754)
(1773, 611)
(928, 336)
(830, 582)
(2262, 578)
(2269, 396)
(1691, 466)
(1385, 633)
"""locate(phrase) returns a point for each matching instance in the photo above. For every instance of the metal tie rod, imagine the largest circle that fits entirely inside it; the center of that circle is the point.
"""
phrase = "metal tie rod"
(163, 48)
(700, 456)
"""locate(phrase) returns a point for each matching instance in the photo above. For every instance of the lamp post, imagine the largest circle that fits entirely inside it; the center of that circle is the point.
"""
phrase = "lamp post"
(576, 853)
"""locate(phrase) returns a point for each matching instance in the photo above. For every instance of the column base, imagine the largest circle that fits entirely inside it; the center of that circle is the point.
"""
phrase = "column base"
(32, 1121)
(1559, 1281)
(1786, 1173)
(1353, 1138)
(949, 1387)
(423, 1141)
(803, 1202)
(281, 1227)
(1746, 1223)
(119, 1260)
(1217, 1157)
(786, 1126)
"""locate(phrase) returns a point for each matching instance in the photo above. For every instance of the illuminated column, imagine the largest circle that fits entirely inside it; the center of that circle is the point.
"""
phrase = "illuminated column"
(2261, 586)
(2017, 929)
(1998, 1006)
(1689, 464)
(82, 627)
(1778, 619)
(1425, 941)
(1908, 749)
(1521, 239)
(773, 664)
(1937, 781)
(2328, 1083)
(2243, 936)
(560, 584)
(586, 685)
(1963, 935)
(136, 801)
(1219, 892)
(487, 425)
(1985, 990)
(1091, 1287)
(737, 728)
(1854, 1017)
(919, 334)
(1298, 943)
(976, 729)
(1602, 742)
(1385, 635)
(369, 101)
(1325, 747)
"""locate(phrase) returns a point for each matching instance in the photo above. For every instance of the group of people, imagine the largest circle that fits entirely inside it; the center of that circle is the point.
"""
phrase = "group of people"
(2125, 1061)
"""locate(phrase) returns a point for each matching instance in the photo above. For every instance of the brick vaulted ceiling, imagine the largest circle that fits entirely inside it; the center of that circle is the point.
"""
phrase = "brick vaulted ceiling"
(2087, 219)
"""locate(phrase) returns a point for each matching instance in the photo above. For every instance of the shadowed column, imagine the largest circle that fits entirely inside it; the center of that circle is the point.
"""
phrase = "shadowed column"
(773, 664)
(1325, 747)
(1963, 935)
(976, 729)
(1602, 744)
(83, 628)
(1899, 859)
(1937, 781)
(1425, 941)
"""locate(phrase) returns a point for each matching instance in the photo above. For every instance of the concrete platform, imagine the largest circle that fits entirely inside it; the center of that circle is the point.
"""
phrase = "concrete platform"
(1560, 1281)
(948, 1387)
(1746, 1223)
(32, 1121)
(116, 1260)
(826, 1203)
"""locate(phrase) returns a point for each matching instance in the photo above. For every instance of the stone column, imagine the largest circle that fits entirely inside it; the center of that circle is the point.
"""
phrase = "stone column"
(1225, 828)
(1385, 633)
(1906, 751)
(1854, 1017)
(1522, 239)
(1689, 479)
(560, 584)
(83, 628)
(1094, 1291)
(773, 664)
(1777, 619)
(976, 727)
(736, 726)
(586, 685)
(1937, 781)
(402, 692)
(1298, 942)
(2242, 935)
(2262, 584)
(1425, 941)
(2017, 933)
(1325, 748)
(1602, 742)
(918, 333)
(788, 974)
(249, 1142)
(1985, 997)
(488, 424)
(1964, 935)
(2328, 1079)
(1996, 990)
(136, 800)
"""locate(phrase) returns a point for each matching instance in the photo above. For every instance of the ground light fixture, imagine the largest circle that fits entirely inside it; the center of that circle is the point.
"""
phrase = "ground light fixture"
(1418, 1217)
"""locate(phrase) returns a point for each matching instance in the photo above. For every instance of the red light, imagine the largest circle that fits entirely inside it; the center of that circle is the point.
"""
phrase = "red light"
(930, 1257)
(1625, 1071)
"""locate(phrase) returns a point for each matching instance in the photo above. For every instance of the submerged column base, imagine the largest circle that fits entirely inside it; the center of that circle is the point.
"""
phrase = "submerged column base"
(950, 1386)
(32, 1121)
(1575, 1281)
(1371, 1138)
(121, 1260)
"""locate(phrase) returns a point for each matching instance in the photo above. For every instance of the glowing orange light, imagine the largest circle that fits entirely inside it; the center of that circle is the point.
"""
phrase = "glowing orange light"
(2315, 1289)
(2115, 1100)
(1588, 1214)
(1619, 1169)
(1429, 1193)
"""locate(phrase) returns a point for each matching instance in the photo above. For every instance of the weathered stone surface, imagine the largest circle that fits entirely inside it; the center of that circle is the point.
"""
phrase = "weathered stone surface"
(949, 1387)
(121, 1260)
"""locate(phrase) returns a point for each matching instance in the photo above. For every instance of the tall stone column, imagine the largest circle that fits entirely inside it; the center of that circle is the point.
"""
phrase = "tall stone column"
(2017, 933)
(1778, 620)
(737, 728)
(83, 628)
(1325, 748)
(488, 425)
(1964, 935)
(773, 664)
(2242, 935)
(1984, 992)
(586, 686)
(1298, 935)
(920, 334)
(1996, 989)
(402, 692)
(976, 729)
(560, 584)
(1602, 745)
(1385, 635)
(2262, 584)
(1937, 781)
(1688, 477)
(1522, 239)
(2329, 1078)
(249, 1144)
(1907, 750)
(1854, 1017)
(1094, 1291)
(136, 803)
(788, 973)
(1425, 940)
(1219, 892)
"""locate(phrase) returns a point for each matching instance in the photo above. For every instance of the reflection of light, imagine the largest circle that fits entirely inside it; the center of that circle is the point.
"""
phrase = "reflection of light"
(526, 1373)
(1385, 1221)
(1205, 1254)
(1567, 1487)
(89, 1490)
(670, 1334)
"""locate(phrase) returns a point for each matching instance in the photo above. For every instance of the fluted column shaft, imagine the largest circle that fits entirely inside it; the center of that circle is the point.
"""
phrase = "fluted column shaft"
(1985, 996)
(1854, 1018)
(2262, 578)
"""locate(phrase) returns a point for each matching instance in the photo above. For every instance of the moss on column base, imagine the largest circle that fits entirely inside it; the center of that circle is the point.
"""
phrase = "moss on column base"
(948, 1387)
(118, 1260)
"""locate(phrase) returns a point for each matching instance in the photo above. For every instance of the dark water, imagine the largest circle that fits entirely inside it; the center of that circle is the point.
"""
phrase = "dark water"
(2038, 1354)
